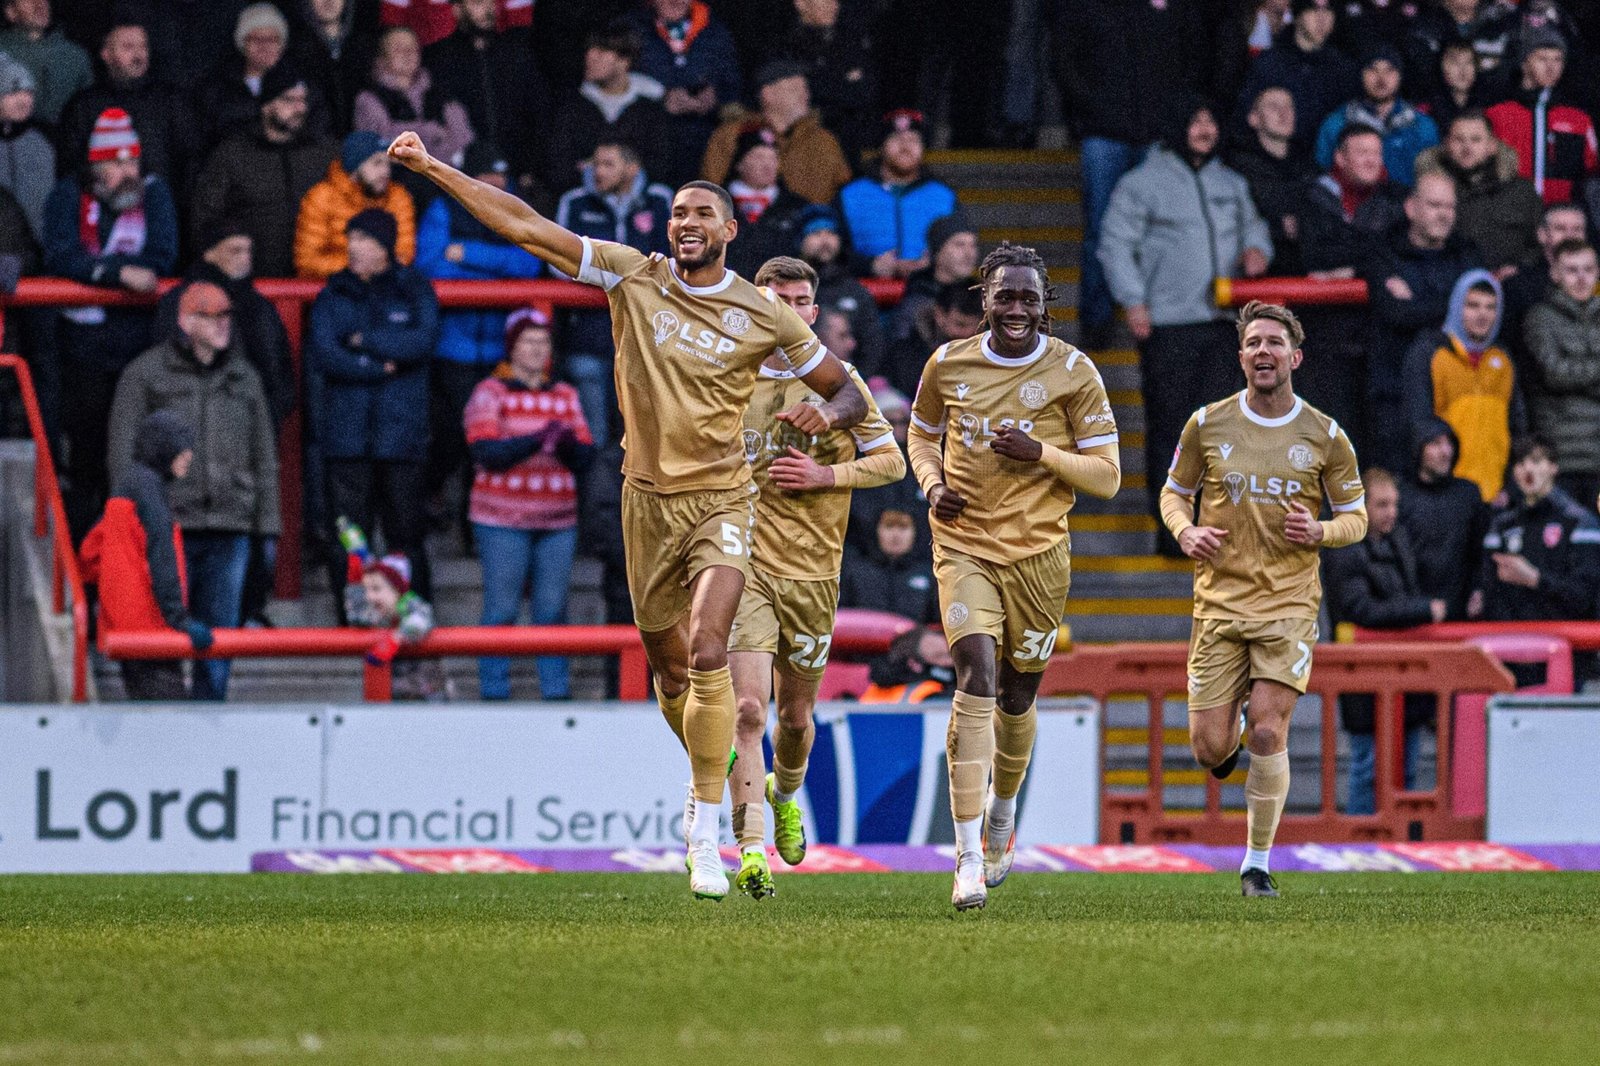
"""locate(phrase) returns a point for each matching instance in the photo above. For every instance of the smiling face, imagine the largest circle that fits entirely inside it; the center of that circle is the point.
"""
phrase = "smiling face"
(700, 228)
(1013, 302)
(1268, 355)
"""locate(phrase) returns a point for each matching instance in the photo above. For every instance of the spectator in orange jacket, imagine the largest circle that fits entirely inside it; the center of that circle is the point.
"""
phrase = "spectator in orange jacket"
(356, 181)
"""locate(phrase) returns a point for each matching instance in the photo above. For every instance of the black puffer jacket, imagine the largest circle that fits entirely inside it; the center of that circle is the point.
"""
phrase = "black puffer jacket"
(1446, 519)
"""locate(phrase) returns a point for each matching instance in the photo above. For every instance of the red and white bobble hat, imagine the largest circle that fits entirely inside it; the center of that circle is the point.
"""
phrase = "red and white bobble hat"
(113, 137)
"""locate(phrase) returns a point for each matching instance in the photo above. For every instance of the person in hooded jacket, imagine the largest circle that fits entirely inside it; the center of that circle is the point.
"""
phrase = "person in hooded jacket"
(889, 576)
(1445, 516)
(1461, 375)
(1374, 584)
(134, 554)
(1177, 222)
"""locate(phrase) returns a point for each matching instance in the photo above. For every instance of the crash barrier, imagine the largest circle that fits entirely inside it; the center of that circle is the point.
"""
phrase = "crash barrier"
(291, 296)
(1156, 673)
(188, 787)
(856, 633)
(50, 525)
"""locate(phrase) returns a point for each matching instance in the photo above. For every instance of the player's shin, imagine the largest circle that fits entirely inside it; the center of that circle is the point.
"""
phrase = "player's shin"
(672, 709)
(969, 752)
(708, 734)
(1266, 788)
(1013, 749)
(791, 753)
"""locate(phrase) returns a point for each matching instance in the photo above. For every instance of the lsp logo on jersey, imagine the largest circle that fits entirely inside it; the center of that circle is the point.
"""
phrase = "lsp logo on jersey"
(975, 428)
(665, 324)
(1268, 490)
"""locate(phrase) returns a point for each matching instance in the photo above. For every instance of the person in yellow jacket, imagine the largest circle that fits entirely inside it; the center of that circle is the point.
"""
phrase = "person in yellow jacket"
(1461, 375)
(359, 179)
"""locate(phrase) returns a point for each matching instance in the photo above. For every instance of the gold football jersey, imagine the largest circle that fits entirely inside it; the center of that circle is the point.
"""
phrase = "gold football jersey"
(1245, 470)
(967, 394)
(800, 535)
(686, 364)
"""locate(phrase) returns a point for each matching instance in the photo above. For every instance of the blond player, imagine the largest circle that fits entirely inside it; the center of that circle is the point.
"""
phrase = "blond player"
(785, 618)
(690, 335)
(1006, 428)
(1259, 463)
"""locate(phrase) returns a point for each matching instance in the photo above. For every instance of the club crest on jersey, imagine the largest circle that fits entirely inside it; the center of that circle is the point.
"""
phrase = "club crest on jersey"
(1226, 449)
(1300, 457)
(1233, 481)
(753, 441)
(665, 324)
(956, 614)
(1033, 395)
(735, 321)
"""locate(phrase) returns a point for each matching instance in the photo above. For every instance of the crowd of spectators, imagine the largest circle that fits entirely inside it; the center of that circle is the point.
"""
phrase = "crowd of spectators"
(1444, 152)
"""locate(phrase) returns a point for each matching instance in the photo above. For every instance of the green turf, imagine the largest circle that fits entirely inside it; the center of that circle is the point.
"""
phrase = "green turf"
(1347, 968)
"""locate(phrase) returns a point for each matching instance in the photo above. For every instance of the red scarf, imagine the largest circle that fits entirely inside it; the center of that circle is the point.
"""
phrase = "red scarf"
(1351, 195)
(680, 35)
(127, 234)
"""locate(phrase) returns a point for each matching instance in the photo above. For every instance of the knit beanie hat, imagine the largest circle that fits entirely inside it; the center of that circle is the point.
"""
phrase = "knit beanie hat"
(940, 230)
(359, 147)
(279, 79)
(395, 569)
(113, 137)
(378, 224)
(259, 16)
(483, 156)
(900, 120)
(523, 319)
(14, 77)
(218, 230)
(751, 138)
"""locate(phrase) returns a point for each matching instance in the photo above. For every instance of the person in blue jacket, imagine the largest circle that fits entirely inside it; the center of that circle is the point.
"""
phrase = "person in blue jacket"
(373, 329)
(453, 244)
(888, 214)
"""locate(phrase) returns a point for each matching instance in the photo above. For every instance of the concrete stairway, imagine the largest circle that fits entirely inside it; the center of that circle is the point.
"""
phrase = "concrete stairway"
(1121, 590)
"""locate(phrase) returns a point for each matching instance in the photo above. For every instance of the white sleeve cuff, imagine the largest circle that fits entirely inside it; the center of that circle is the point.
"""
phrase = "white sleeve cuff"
(1095, 442)
(925, 427)
(1179, 489)
(589, 274)
(1354, 505)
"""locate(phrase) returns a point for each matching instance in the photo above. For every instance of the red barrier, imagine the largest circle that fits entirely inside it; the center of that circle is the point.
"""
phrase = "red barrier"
(858, 633)
(1302, 292)
(289, 296)
(1583, 636)
(1157, 672)
(50, 520)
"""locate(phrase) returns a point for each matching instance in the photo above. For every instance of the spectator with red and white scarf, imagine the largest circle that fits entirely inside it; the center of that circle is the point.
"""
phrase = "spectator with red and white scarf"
(108, 224)
(529, 441)
(694, 58)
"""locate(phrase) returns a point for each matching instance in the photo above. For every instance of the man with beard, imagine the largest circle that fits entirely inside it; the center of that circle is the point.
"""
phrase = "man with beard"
(114, 226)
(1260, 464)
(1006, 429)
(258, 177)
(1176, 222)
(359, 180)
(691, 335)
(823, 247)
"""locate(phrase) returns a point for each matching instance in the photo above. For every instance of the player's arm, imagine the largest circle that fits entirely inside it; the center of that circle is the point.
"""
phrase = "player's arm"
(1184, 479)
(843, 404)
(925, 445)
(1095, 463)
(500, 211)
(879, 461)
(1341, 482)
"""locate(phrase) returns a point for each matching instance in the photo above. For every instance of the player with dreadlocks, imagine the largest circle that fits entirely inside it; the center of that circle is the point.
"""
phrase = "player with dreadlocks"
(1007, 427)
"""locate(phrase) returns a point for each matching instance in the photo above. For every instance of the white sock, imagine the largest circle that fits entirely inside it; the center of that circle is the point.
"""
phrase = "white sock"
(781, 797)
(752, 849)
(1255, 860)
(969, 836)
(1002, 812)
(706, 825)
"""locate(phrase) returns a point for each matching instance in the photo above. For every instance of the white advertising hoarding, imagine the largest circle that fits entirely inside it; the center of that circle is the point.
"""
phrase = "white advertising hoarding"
(1543, 751)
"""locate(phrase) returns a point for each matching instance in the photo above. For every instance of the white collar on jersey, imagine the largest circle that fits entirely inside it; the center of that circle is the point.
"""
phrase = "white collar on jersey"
(1270, 423)
(702, 290)
(1021, 360)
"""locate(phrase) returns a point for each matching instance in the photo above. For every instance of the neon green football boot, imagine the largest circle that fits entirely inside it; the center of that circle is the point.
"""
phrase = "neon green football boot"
(788, 829)
(755, 876)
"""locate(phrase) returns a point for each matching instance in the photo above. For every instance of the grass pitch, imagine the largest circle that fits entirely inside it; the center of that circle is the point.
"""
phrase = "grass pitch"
(1346, 968)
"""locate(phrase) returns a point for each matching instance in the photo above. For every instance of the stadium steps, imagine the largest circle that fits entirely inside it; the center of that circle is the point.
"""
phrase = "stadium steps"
(1121, 590)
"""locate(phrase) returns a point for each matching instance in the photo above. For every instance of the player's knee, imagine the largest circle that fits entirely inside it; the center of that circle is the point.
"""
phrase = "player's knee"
(1210, 751)
(1268, 737)
(794, 718)
(1014, 702)
(707, 654)
(752, 714)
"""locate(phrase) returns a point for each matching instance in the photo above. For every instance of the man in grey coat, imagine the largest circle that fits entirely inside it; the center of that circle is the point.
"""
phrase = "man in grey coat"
(231, 493)
(1177, 222)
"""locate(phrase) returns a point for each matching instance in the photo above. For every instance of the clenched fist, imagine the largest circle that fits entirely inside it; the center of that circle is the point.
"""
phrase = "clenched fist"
(408, 151)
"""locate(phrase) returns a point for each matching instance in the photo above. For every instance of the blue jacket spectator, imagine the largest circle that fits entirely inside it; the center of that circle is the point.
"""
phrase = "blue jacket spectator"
(694, 58)
(890, 212)
(1405, 130)
(616, 202)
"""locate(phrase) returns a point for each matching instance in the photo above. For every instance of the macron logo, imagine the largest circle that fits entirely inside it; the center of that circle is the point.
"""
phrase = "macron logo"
(962, 390)
(1227, 450)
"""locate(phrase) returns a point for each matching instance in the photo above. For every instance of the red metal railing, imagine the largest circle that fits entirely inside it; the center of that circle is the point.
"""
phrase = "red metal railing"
(290, 296)
(856, 632)
(1157, 672)
(1583, 636)
(50, 521)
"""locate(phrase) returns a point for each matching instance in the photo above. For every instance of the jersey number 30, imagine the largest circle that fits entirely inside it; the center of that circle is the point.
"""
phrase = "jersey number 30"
(1036, 645)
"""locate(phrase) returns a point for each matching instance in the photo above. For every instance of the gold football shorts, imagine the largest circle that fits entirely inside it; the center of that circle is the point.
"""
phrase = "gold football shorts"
(1018, 604)
(792, 620)
(1226, 654)
(669, 539)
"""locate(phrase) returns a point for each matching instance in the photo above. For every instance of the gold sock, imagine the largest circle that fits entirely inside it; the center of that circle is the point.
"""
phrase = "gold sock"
(708, 719)
(672, 710)
(750, 824)
(791, 751)
(1266, 787)
(969, 750)
(1013, 748)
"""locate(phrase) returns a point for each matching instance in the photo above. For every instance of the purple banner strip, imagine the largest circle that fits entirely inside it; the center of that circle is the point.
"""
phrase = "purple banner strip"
(1432, 856)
